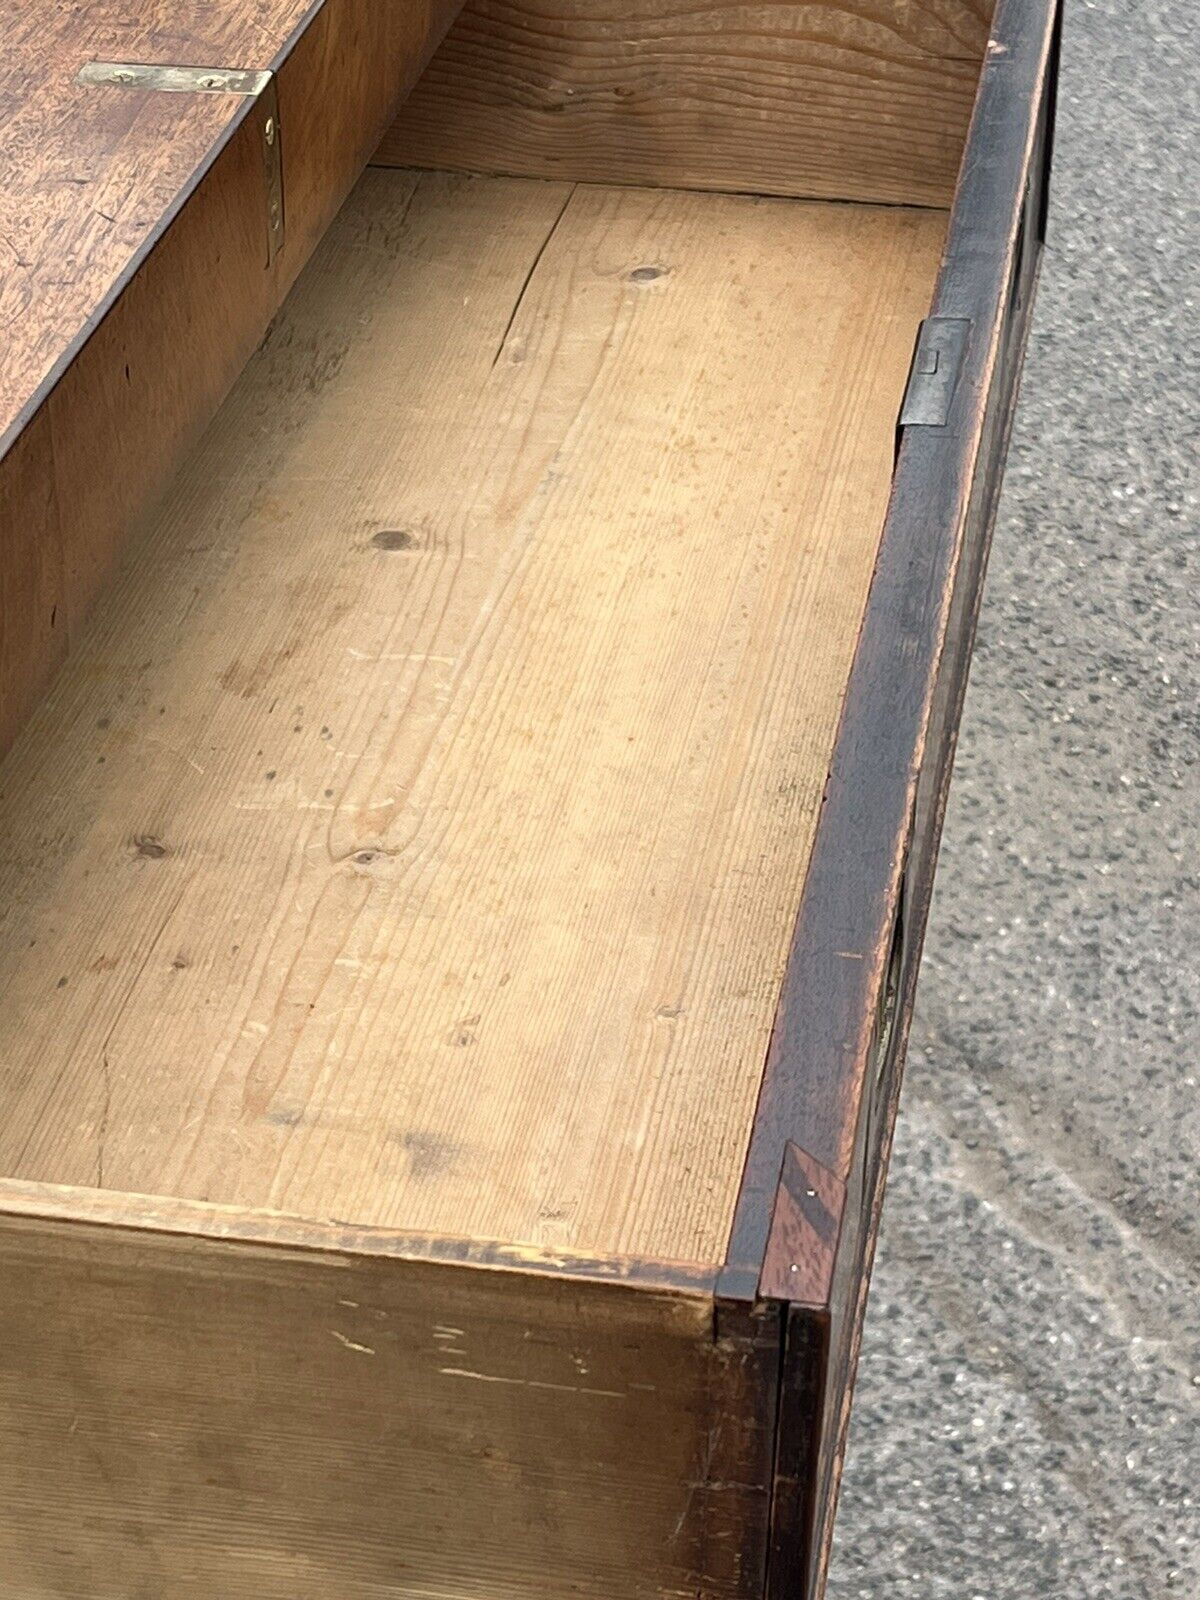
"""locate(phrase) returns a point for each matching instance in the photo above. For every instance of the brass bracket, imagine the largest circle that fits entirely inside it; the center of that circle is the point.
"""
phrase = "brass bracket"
(257, 86)
(272, 150)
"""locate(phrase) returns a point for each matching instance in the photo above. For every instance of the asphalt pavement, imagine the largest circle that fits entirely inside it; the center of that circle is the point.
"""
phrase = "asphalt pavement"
(1027, 1424)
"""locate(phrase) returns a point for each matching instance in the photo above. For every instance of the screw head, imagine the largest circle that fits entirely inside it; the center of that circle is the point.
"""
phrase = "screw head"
(269, 130)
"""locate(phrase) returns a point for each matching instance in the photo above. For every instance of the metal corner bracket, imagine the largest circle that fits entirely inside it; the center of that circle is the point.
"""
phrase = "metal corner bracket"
(251, 85)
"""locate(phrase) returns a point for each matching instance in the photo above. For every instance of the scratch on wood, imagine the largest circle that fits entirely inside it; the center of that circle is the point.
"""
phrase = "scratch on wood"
(533, 266)
(364, 1349)
(528, 1383)
(102, 1131)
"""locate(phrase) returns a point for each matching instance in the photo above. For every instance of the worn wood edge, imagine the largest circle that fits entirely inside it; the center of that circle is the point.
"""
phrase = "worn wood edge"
(291, 40)
(933, 787)
(230, 1225)
(167, 1339)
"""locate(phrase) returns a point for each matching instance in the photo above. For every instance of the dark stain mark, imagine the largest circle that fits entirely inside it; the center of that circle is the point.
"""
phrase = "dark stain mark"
(285, 1116)
(329, 794)
(220, 1459)
(102, 722)
(103, 964)
(153, 849)
(325, 367)
(269, 775)
(462, 1034)
(647, 274)
(249, 678)
(428, 1155)
(365, 857)
(62, 983)
(395, 539)
(180, 963)
(669, 1013)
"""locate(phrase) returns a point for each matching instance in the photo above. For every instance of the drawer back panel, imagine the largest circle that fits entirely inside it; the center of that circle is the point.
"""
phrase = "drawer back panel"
(859, 100)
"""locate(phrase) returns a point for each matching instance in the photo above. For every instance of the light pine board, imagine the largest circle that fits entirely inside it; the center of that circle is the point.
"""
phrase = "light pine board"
(858, 100)
(187, 1419)
(416, 836)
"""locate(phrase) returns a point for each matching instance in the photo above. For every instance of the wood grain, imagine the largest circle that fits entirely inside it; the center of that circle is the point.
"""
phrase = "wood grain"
(190, 1418)
(416, 838)
(866, 100)
(135, 284)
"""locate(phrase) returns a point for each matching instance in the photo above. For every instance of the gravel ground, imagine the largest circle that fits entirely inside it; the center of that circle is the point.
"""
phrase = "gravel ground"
(1028, 1413)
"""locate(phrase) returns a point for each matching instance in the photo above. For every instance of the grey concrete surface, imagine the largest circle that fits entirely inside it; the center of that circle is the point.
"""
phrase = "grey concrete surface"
(1028, 1413)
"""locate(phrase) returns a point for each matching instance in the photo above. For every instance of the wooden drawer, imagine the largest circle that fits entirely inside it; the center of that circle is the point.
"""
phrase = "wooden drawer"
(473, 779)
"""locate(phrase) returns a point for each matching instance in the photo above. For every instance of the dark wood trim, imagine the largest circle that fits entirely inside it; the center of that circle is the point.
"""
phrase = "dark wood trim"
(831, 1081)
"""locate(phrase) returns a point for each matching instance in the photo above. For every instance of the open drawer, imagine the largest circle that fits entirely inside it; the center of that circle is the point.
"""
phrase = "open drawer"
(469, 813)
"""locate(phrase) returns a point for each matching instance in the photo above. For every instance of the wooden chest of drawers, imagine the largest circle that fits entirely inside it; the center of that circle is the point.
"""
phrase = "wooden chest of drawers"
(480, 662)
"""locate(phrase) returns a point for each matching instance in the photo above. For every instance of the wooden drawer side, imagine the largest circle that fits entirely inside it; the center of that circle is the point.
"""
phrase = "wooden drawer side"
(192, 1417)
(832, 1081)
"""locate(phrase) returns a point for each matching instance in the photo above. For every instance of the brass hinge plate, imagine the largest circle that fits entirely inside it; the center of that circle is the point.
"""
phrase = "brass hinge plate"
(258, 86)
(171, 80)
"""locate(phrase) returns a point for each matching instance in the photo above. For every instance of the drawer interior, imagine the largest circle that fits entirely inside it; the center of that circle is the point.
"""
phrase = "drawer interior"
(415, 836)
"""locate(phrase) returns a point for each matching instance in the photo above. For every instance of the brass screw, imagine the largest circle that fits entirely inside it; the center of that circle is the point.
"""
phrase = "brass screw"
(210, 83)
